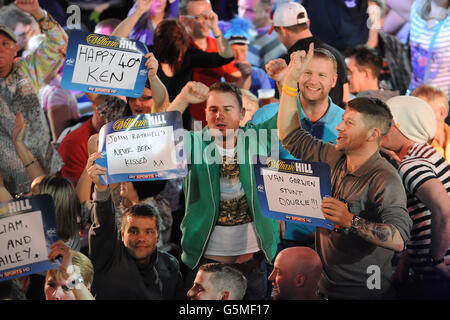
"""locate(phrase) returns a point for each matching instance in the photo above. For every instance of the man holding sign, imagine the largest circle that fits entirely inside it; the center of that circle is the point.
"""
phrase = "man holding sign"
(368, 199)
(222, 207)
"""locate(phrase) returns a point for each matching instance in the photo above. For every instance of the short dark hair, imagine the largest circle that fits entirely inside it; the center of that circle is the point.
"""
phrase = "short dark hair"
(226, 276)
(150, 188)
(376, 113)
(366, 57)
(182, 6)
(228, 87)
(143, 210)
(11, 290)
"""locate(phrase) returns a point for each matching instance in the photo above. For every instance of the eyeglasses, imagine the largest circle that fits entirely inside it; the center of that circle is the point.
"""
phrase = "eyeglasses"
(196, 18)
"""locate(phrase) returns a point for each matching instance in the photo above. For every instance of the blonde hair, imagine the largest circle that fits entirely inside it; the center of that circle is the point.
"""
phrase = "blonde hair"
(431, 93)
(83, 263)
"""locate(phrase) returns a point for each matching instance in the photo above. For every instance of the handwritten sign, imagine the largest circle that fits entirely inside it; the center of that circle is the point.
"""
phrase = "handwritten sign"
(27, 229)
(292, 190)
(143, 147)
(104, 64)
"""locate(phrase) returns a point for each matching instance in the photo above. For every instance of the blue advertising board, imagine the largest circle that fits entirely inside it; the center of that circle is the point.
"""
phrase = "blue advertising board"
(102, 64)
(143, 147)
(27, 229)
(292, 190)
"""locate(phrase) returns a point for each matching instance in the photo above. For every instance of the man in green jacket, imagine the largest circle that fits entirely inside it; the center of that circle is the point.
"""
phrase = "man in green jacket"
(223, 222)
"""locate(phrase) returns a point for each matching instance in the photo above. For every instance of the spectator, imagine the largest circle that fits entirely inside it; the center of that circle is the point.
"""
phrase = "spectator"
(396, 64)
(134, 192)
(11, 290)
(199, 20)
(106, 26)
(363, 70)
(425, 175)
(147, 23)
(341, 23)
(290, 21)
(67, 207)
(22, 23)
(73, 279)
(73, 148)
(20, 82)
(253, 78)
(249, 106)
(318, 115)
(220, 193)
(218, 281)
(430, 23)
(368, 199)
(132, 267)
(437, 100)
(296, 272)
(60, 106)
(263, 47)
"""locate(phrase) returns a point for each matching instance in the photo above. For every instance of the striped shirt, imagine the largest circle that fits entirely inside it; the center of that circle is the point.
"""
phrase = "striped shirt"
(421, 164)
(420, 39)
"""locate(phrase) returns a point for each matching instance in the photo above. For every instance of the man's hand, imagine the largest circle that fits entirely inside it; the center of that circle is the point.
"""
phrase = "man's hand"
(94, 171)
(245, 68)
(32, 7)
(93, 144)
(337, 211)
(298, 64)
(194, 92)
(152, 65)
(211, 21)
(276, 69)
(143, 6)
(60, 249)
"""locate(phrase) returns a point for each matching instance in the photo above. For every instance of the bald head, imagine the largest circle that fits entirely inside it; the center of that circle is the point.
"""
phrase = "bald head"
(296, 273)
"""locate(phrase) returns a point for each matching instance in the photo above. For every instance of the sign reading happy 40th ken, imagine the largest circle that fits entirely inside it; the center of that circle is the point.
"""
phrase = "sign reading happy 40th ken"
(104, 64)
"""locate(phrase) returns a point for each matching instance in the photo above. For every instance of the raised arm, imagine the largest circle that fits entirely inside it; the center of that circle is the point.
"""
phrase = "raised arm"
(47, 58)
(126, 26)
(30, 163)
(192, 92)
(287, 112)
(159, 90)
(212, 21)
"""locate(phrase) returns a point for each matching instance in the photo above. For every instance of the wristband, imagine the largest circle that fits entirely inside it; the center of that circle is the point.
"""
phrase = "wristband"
(289, 93)
(289, 88)
(27, 165)
(44, 17)
(218, 36)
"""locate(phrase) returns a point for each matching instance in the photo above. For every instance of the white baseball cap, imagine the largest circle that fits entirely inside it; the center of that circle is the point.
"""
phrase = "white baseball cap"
(288, 14)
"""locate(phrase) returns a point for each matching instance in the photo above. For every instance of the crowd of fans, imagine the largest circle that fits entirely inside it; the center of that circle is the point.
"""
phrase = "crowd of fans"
(362, 85)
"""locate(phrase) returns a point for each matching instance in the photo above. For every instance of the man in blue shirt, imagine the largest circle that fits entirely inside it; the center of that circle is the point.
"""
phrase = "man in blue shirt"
(319, 115)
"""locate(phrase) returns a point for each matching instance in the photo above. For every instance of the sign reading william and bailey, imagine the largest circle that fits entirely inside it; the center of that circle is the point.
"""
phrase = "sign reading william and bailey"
(27, 229)
(104, 64)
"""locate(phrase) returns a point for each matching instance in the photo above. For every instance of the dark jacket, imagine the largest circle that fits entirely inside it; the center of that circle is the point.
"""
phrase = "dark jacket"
(116, 273)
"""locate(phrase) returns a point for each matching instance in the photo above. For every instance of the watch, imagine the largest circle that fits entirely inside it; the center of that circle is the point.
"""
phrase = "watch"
(73, 282)
(356, 222)
(431, 261)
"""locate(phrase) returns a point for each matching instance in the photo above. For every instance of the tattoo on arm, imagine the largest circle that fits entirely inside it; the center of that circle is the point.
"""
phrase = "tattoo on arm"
(380, 232)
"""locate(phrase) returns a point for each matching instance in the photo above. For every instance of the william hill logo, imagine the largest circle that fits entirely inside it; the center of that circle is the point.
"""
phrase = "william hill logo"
(132, 123)
(102, 41)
